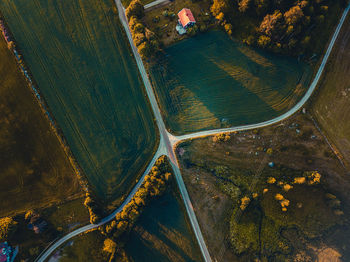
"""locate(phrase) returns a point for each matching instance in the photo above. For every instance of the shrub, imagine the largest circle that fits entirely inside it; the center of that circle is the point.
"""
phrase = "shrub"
(264, 41)
(299, 180)
(222, 137)
(7, 227)
(271, 180)
(244, 202)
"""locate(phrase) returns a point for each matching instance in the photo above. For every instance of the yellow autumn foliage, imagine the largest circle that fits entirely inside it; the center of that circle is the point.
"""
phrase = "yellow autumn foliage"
(244, 202)
(287, 187)
(279, 197)
(299, 180)
(271, 180)
(109, 246)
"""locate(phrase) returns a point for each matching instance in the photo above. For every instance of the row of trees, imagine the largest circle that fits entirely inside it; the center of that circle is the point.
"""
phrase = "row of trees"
(144, 39)
(280, 25)
(93, 207)
(154, 185)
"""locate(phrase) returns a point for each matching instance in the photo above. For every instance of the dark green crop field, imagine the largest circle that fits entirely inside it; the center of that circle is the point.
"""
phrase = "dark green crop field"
(34, 170)
(163, 232)
(210, 81)
(82, 64)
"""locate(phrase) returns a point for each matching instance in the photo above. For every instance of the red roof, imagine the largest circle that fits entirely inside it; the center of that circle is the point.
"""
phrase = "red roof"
(185, 17)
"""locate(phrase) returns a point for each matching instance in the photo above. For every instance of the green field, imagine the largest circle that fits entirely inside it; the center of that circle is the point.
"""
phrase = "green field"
(163, 233)
(210, 81)
(34, 170)
(83, 66)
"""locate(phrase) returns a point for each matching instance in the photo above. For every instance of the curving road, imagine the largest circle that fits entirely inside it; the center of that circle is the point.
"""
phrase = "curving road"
(293, 110)
(168, 141)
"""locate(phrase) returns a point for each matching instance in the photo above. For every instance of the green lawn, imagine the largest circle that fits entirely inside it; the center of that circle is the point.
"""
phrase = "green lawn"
(83, 66)
(210, 81)
(34, 169)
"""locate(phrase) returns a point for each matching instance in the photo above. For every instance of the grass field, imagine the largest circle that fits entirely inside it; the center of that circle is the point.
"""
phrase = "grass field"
(210, 81)
(219, 174)
(331, 104)
(84, 68)
(163, 232)
(34, 170)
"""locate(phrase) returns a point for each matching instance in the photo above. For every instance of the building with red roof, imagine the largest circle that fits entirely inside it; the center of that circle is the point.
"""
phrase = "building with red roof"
(186, 18)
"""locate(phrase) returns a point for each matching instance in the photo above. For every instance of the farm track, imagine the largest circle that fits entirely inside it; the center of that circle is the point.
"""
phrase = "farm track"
(168, 141)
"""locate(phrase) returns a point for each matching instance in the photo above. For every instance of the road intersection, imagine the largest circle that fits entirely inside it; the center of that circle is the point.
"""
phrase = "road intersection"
(168, 141)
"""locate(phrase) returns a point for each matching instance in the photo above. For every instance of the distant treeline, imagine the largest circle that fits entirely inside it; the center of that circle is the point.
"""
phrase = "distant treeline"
(283, 26)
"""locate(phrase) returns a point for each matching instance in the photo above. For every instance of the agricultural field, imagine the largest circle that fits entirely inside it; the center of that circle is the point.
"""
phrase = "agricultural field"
(331, 104)
(162, 233)
(210, 81)
(35, 171)
(277, 194)
(84, 68)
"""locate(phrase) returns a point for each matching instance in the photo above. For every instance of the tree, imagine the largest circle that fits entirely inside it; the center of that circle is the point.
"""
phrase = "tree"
(136, 9)
(109, 246)
(7, 227)
(244, 5)
(293, 15)
(28, 214)
(219, 6)
(138, 28)
(132, 22)
(138, 38)
(228, 28)
(270, 23)
(88, 202)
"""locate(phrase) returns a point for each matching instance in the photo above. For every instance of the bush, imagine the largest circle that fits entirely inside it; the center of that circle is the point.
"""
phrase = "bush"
(7, 227)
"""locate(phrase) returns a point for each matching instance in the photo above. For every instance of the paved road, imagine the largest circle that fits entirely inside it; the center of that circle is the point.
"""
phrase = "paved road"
(168, 141)
(164, 137)
(155, 3)
(47, 252)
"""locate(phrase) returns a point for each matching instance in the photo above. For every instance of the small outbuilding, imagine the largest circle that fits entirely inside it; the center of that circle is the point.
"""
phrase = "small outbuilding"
(186, 18)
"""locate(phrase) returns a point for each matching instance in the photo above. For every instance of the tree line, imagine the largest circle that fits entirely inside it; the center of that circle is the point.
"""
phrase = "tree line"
(279, 25)
(144, 39)
(153, 186)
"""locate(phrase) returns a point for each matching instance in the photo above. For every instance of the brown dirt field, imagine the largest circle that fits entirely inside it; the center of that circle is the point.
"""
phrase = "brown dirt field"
(34, 170)
(331, 104)
(296, 143)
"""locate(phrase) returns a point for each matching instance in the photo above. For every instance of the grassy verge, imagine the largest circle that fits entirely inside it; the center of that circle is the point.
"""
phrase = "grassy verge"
(228, 179)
